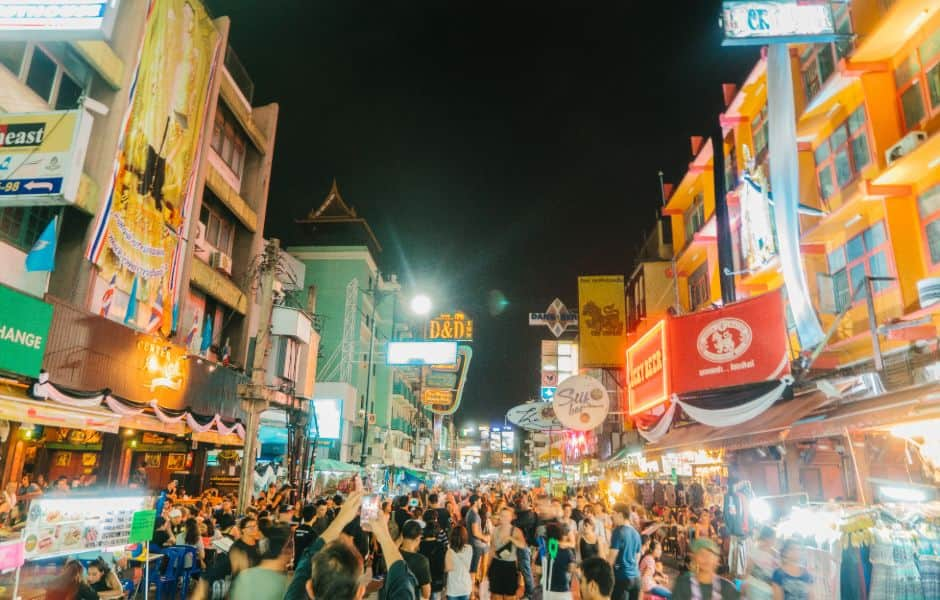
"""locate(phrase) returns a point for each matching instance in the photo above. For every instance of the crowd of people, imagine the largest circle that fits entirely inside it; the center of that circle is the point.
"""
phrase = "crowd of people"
(501, 542)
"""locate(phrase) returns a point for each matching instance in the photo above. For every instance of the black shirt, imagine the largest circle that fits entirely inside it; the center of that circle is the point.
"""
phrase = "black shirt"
(443, 519)
(419, 565)
(161, 537)
(435, 551)
(401, 516)
(303, 537)
(526, 521)
(576, 515)
(254, 555)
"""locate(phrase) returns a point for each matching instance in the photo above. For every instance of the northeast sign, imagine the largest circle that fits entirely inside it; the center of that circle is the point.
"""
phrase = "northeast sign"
(57, 20)
(41, 156)
(769, 22)
(556, 317)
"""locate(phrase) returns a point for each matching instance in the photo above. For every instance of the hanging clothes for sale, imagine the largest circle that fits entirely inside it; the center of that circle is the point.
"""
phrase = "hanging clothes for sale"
(894, 574)
(696, 495)
(670, 491)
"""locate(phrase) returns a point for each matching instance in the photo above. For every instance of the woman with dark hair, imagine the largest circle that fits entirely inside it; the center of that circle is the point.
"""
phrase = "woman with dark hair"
(791, 581)
(588, 544)
(457, 565)
(557, 568)
(486, 525)
(191, 537)
(651, 579)
(101, 578)
(434, 549)
(71, 585)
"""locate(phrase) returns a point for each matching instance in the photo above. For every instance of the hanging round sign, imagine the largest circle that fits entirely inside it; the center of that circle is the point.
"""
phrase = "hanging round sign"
(581, 403)
(534, 416)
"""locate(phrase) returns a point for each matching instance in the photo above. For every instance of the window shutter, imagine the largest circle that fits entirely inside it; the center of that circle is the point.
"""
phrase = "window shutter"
(827, 299)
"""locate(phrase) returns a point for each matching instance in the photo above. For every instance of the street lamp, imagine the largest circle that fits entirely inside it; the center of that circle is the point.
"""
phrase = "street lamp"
(421, 305)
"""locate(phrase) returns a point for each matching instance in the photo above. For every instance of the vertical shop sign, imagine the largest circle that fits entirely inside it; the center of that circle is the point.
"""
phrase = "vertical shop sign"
(648, 382)
(601, 320)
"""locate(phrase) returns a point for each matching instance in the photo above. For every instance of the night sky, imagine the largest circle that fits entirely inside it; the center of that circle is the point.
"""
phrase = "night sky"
(502, 146)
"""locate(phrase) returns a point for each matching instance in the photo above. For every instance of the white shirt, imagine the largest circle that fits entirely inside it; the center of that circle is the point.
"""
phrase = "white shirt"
(458, 578)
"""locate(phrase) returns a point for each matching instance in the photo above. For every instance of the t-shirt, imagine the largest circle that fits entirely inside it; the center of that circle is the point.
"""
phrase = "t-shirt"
(560, 578)
(419, 565)
(443, 519)
(471, 518)
(526, 521)
(627, 542)
(682, 590)
(794, 588)
(303, 537)
(254, 555)
(161, 537)
(458, 578)
(434, 551)
(258, 583)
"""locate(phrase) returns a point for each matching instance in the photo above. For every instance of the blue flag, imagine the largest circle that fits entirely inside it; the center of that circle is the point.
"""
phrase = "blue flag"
(206, 336)
(131, 315)
(42, 255)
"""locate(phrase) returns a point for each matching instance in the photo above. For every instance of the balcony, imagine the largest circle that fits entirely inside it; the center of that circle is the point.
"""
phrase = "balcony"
(218, 286)
(400, 389)
(230, 197)
(239, 75)
(403, 426)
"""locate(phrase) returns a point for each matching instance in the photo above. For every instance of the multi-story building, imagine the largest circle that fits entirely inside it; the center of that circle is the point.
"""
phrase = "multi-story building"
(868, 147)
(165, 165)
(361, 310)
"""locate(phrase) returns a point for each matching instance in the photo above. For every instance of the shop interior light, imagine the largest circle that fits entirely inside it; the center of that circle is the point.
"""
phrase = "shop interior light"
(128, 432)
(761, 510)
(616, 487)
(902, 494)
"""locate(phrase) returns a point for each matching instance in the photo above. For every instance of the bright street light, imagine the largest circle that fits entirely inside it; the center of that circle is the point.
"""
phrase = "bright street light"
(421, 305)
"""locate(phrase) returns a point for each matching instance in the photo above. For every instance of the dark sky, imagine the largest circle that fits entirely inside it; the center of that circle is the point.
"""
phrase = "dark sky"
(493, 145)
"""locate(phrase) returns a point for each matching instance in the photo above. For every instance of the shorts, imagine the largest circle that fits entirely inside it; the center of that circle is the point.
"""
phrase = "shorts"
(504, 577)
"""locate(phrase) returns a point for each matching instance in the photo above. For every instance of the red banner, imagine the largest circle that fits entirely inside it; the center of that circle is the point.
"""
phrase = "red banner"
(648, 370)
(744, 342)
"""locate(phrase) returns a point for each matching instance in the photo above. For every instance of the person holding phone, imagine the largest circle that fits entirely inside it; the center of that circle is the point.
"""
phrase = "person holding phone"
(331, 567)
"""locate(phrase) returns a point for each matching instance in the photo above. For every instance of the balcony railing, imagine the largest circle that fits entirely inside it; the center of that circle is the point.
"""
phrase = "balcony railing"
(402, 425)
(239, 74)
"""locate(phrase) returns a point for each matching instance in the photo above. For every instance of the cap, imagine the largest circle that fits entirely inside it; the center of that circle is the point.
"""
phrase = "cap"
(176, 513)
(705, 544)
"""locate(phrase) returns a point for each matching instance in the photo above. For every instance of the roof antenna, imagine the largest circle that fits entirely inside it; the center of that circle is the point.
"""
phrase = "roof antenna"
(662, 188)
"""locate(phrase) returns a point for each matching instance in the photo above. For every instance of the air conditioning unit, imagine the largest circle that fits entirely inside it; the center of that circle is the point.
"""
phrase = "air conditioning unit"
(928, 291)
(905, 146)
(221, 261)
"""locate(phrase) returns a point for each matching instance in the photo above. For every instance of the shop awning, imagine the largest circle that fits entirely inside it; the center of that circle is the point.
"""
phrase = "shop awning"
(619, 456)
(334, 466)
(16, 406)
(765, 430)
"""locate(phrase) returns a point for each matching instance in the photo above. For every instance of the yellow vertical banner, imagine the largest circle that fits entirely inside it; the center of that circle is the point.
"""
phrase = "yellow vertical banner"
(601, 300)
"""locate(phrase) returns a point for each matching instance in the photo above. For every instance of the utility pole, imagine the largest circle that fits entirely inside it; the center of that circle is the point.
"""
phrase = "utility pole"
(256, 396)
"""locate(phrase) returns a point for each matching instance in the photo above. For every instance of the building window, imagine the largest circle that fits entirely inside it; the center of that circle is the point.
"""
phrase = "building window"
(694, 217)
(636, 300)
(759, 133)
(699, 293)
(868, 254)
(228, 140)
(843, 155)
(928, 205)
(22, 225)
(220, 232)
(43, 73)
(818, 62)
(918, 82)
(731, 163)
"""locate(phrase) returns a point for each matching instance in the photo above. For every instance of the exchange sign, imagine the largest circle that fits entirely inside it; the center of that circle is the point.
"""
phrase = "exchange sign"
(24, 327)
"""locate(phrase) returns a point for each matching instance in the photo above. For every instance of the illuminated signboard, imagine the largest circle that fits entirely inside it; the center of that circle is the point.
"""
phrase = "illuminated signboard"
(647, 370)
(329, 415)
(41, 156)
(769, 21)
(556, 317)
(455, 327)
(422, 353)
(57, 19)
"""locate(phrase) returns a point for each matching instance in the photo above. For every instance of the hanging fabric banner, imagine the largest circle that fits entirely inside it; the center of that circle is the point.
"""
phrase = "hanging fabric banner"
(729, 407)
(785, 183)
(601, 320)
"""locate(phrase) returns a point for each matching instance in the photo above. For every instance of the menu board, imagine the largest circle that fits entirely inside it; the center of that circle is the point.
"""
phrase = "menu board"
(66, 525)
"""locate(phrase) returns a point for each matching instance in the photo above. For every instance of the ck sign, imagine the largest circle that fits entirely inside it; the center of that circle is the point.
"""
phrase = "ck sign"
(769, 21)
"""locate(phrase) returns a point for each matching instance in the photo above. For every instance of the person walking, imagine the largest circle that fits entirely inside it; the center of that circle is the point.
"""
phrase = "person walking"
(791, 581)
(458, 563)
(434, 549)
(624, 555)
(702, 581)
(268, 580)
(504, 568)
